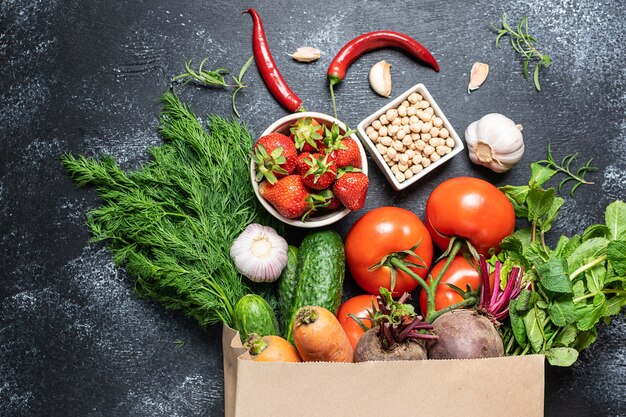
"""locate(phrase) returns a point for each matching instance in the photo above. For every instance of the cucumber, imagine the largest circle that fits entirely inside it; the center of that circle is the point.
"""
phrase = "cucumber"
(287, 285)
(321, 268)
(254, 315)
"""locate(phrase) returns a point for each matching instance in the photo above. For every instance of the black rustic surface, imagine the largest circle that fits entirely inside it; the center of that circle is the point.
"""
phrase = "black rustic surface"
(85, 77)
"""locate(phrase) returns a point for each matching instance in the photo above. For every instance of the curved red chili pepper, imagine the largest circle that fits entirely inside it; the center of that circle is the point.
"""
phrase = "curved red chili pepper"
(268, 69)
(376, 40)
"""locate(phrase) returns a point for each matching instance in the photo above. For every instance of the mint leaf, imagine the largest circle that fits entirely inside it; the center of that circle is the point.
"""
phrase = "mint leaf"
(589, 315)
(587, 252)
(562, 311)
(617, 256)
(615, 218)
(561, 356)
(566, 336)
(516, 193)
(553, 276)
(533, 321)
(596, 230)
(539, 174)
(614, 305)
(594, 277)
(539, 202)
(517, 323)
(585, 339)
(552, 213)
(560, 246)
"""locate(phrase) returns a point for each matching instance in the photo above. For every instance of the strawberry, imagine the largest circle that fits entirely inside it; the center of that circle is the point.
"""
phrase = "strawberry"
(351, 189)
(301, 163)
(290, 197)
(307, 134)
(334, 203)
(275, 157)
(321, 171)
(348, 154)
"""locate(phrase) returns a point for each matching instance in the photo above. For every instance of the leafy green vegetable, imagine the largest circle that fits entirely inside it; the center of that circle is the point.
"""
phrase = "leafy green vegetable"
(171, 223)
(575, 286)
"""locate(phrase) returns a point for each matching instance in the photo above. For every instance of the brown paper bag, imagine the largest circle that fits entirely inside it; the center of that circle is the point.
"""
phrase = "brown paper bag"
(495, 387)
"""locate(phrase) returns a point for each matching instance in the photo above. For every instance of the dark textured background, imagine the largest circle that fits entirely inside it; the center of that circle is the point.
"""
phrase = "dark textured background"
(85, 76)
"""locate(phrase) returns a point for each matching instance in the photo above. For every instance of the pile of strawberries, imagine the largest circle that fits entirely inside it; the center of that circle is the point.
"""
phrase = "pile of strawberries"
(312, 171)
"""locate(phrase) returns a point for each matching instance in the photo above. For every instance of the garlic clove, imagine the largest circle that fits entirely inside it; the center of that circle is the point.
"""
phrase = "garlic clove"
(478, 75)
(380, 78)
(259, 253)
(306, 54)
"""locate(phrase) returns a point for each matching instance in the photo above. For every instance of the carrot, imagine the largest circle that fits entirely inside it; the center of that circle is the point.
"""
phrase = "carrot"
(270, 349)
(319, 336)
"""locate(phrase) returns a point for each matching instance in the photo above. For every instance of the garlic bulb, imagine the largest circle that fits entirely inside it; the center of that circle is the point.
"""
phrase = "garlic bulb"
(306, 54)
(259, 253)
(495, 141)
(380, 78)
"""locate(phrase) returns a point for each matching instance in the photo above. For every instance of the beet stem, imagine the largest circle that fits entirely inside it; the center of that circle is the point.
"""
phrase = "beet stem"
(496, 284)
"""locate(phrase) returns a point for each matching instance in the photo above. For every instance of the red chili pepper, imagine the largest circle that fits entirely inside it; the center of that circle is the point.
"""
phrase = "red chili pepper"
(368, 42)
(268, 69)
(376, 40)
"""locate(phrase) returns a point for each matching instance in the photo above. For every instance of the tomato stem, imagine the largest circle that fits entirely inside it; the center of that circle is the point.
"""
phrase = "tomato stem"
(469, 301)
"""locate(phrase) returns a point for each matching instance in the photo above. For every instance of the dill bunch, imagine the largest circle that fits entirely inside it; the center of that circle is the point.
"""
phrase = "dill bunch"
(171, 223)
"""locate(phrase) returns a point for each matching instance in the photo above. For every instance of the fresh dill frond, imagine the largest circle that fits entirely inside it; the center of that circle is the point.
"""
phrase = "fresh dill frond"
(171, 223)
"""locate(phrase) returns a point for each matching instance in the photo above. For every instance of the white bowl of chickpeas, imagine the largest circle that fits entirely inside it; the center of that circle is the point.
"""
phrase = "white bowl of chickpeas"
(409, 137)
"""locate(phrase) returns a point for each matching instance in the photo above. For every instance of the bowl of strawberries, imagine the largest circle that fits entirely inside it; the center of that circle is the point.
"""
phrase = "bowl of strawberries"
(308, 170)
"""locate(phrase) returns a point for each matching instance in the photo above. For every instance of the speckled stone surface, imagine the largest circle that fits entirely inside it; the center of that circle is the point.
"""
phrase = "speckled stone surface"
(85, 77)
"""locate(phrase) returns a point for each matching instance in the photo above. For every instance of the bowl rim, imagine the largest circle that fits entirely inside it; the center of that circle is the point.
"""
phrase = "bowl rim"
(378, 158)
(326, 219)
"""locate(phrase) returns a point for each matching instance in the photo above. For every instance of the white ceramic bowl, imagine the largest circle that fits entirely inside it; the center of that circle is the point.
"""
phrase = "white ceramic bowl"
(282, 126)
(378, 158)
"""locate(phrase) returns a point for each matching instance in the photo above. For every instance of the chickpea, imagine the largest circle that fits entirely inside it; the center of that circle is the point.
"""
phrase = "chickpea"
(443, 133)
(405, 120)
(425, 162)
(400, 176)
(413, 98)
(391, 153)
(394, 169)
(408, 174)
(437, 122)
(402, 111)
(426, 137)
(450, 143)
(413, 120)
(425, 117)
(376, 124)
(435, 157)
(402, 167)
(385, 140)
(397, 121)
(405, 103)
(392, 130)
(424, 104)
(383, 120)
(419, 97)
(416, 136)
(382, 131)
(428, 150)
(417, 158)
(411, 111)
(404, 159)
(407, 129)
(436, 142)
(369, 130)
(396, 158)
(407, 140)
(386, 158)
(427, 126)
(420, 145)
(400, 135)
(412, 146)
(415, 127)
(398, 145)
(391, 114)
(442, 150)
(434, 131)
(429, 110)
(381, 149)
(416, 168)
(391, 163)
(373, 135)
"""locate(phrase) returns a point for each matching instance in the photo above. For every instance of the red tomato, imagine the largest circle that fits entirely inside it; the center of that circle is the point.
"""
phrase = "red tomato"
(460, 273)
(361, 307)
(381, 232)
(472, 209)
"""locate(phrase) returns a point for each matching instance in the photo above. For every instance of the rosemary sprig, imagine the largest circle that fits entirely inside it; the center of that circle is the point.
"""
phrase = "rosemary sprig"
(564, 167)
(524, 44)
(215, 78)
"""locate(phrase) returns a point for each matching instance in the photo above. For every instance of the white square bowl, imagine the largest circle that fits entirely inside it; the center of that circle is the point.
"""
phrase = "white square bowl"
(378, 158)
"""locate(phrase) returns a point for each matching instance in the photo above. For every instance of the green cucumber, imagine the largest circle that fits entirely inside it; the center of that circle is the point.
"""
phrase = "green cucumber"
(254, 315)
(287, 285)
(321, 268)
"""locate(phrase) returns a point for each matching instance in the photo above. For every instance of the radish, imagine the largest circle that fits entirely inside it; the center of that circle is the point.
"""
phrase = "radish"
(472, 333)
(398, 334)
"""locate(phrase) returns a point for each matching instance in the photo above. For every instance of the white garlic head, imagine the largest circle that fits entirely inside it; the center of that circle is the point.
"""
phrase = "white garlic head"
(259, 253)
(495, 141)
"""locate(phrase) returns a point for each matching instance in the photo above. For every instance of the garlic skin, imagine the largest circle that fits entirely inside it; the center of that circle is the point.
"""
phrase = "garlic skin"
(306, 54)
(380, 78)
(259, 253)
(495, 141)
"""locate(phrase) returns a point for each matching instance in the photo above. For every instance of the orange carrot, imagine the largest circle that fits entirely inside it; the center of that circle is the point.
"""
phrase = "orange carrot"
(270, 349)
(319, 336)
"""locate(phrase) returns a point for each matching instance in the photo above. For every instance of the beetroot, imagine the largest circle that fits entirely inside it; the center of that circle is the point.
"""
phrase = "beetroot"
(397, 335)
(471, 334)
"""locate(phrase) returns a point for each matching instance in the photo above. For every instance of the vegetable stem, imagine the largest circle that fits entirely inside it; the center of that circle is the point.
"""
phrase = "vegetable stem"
(591, 295)
(587, 266)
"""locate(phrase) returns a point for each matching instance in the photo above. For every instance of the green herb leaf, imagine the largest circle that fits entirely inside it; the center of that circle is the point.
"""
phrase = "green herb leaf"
(616, 253)
(533, 321)
(551, 214)
(553, 276)
(596, 230)
(539, 202)
(561, 356)
(616, 219)
(588, 252)
(614, 304)
(562, 311)
(566, 336)
(516, 193)
(540, 174)
(589, 315)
